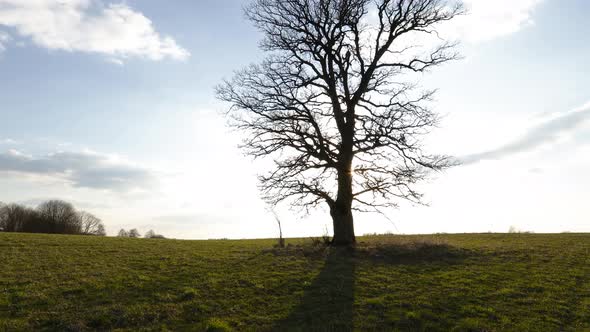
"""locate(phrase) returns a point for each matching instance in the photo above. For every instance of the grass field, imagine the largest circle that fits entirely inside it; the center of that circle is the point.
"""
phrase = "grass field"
(471, 282)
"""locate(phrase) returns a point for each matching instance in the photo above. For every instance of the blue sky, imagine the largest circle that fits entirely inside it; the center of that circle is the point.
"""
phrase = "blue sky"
(110, 105)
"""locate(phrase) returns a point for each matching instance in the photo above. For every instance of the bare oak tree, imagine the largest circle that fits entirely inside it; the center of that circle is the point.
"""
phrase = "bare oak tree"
(3, 215)
(153, 235)
(101, 230)
(90, 224)
(149, 234)
(16, 218)
(334, 103)
(59, 217)
(134, 233)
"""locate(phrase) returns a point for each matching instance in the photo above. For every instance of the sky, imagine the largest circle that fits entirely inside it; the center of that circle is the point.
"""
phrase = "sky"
(110, 105)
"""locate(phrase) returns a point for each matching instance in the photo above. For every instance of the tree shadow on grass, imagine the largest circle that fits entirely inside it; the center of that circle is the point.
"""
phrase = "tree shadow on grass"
(327, 303)
(412, 253)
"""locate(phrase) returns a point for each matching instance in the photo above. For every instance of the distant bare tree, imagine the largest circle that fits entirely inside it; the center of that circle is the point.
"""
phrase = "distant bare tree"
(59, 217)
(53, 217)
(2, 216)
(90, 224)
(333, 104)
(134, 233)
(123, 233)
(153, 235)
(17, 218)
(278, 220)
(101, 231)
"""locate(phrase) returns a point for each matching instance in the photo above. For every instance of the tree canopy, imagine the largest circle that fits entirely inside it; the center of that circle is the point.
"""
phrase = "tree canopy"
(334, 105)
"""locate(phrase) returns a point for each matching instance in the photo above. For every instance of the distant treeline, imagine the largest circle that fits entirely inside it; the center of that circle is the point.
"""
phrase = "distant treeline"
(51, 217)
(134, 233)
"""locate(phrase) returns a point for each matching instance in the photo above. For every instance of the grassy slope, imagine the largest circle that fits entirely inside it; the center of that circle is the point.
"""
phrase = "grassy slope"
(465, 282)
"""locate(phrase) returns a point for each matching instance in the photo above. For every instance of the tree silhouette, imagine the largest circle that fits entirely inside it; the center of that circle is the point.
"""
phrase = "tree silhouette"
(134, 233)
(53, 217)
(153, 235)
(2, 216)
(59, 217)
(100, 230)
(90, 224)
(334, 104)
(16, 218)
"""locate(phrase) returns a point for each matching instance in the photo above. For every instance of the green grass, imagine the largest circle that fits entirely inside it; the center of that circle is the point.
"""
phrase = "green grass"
(472, 282)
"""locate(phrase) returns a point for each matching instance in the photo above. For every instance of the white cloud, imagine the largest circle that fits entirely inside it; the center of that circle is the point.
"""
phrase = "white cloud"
(85, 169)
(483, 20)
(115, 61)
(34, 202)
(115, 30)
(489, 19)
(8, 141)
(559, 126)
(4, 38)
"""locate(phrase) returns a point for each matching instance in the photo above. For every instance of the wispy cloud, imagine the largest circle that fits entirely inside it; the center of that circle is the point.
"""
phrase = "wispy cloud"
(115, 61)
(115, 30)
(178, 219)
(489, 19)
(34, 202)
(8, 141)
(482, 21)
(84, 169)
(547, 132)
(4, 38)
(193, 219)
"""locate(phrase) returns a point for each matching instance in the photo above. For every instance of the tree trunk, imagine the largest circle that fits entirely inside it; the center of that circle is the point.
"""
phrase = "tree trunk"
(341, 212)
(343, 228)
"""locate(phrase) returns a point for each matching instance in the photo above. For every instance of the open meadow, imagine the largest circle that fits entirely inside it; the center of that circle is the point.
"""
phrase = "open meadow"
(466, 282)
